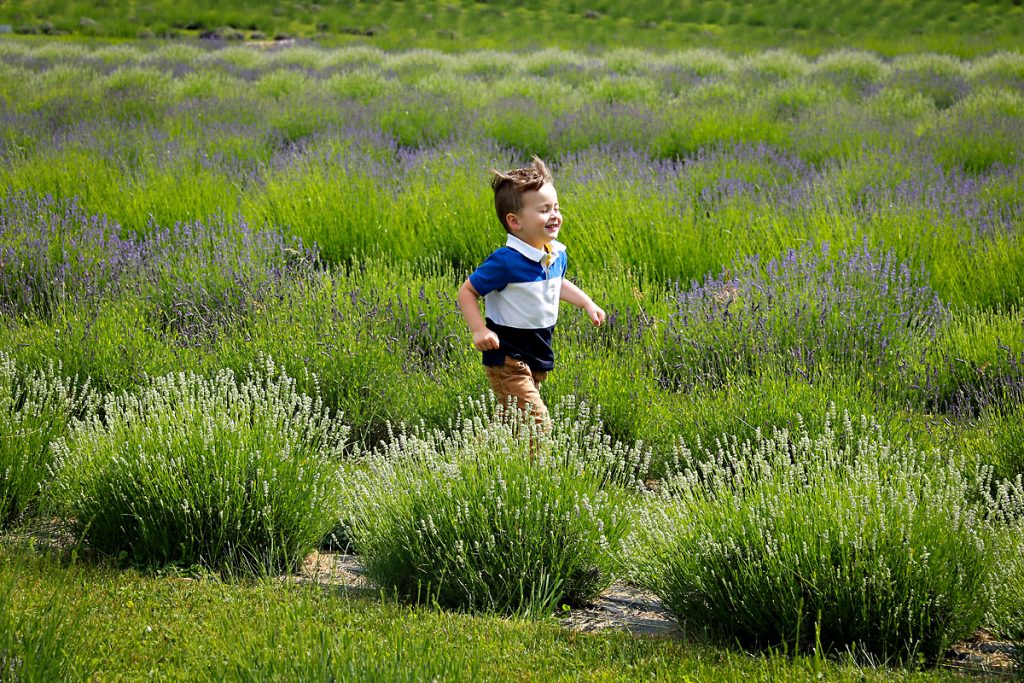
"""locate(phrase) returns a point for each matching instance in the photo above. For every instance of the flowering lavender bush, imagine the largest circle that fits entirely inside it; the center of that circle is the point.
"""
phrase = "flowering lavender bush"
(860, 311)
(234, 475)
(203, 277)
(496, 516)
(35, 409)
(843, 539)
(52, 251)
(974, 368)
(1006, 615)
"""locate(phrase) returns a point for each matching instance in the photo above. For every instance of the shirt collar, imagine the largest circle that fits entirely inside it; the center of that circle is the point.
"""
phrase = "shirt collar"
(531, 252)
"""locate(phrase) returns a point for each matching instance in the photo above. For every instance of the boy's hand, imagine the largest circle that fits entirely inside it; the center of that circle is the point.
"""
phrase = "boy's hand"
(577, 297)
(485, 340)
(596, 314)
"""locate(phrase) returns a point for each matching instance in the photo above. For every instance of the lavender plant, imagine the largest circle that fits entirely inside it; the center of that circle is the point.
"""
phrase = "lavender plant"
(52, 251)
(974, 368)
(496, 516)
(204, 277)
(842, 539)
(860, 311)
(1005, 618)
(233, 474)
(36, 407)
(1001, 439)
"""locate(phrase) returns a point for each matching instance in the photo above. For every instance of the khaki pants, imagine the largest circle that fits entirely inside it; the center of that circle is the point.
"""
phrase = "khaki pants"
(515, 379)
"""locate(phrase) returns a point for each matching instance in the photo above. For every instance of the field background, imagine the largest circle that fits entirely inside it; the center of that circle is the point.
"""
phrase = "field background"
(788, 210)
(888, 27)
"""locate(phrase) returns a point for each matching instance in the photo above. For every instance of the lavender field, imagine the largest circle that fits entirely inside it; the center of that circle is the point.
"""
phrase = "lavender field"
(850, 225)
(778, 240)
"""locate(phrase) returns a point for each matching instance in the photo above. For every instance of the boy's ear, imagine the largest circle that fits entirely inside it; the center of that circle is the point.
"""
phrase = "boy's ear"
(512, 221)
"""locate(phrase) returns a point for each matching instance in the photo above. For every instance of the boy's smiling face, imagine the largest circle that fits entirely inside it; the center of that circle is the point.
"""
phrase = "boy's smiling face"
(540, 219)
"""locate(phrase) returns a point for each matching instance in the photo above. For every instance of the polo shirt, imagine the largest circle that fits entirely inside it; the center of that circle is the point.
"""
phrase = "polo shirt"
(521, 285)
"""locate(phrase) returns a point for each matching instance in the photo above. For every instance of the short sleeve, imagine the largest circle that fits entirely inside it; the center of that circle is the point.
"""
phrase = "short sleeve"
(492, 275)
(562, 264)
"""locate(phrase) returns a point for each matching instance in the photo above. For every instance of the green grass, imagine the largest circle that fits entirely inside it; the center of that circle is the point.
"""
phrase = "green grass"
(117, 623)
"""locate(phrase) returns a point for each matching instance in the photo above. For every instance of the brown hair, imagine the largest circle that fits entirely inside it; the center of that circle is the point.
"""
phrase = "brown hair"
(509, 187)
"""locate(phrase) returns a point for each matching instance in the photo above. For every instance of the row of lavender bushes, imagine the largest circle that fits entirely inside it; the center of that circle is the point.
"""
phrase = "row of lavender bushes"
(358, 194)
(862, 326)
(777, 85)
(903, 550)
(920, 153)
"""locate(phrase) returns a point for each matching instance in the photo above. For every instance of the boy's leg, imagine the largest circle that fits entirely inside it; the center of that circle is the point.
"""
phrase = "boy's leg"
(515, 379)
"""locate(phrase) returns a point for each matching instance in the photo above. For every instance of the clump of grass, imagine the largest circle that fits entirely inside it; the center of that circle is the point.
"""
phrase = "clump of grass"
(35, 409)
(496, 516)
(844, 540)
(36, 641)
(233, 475)
(304, 643)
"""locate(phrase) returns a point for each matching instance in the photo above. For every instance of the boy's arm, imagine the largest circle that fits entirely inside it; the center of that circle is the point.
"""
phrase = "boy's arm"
(484, 339)
(577, 297)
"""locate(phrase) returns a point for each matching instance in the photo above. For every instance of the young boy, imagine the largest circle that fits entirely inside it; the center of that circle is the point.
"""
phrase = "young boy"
(522, 283)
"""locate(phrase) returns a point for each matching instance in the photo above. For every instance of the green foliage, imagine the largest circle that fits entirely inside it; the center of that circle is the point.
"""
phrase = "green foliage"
(1000, 440)
(300, 645)
(185, 175)
(1006, 616)
(496, 516)
(38, 642)
(808, 26)
(974, 366)
(231, 475)
(125, 624)
(840, 540)
(35, 409)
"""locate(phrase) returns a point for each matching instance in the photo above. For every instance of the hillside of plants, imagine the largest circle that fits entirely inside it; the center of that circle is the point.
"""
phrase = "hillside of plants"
(229, 337)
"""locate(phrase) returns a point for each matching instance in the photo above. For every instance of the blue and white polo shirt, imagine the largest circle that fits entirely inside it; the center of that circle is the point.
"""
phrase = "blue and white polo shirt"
(521, 285)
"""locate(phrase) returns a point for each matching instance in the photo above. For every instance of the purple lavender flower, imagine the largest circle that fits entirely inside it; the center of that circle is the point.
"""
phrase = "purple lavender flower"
(52, 251)
(802, 314)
